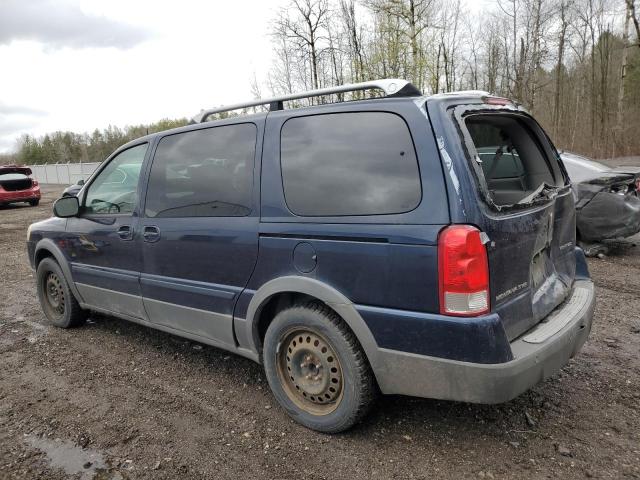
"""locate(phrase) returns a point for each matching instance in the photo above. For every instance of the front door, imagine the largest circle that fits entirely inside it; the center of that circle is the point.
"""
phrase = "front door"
(102, 241)
(200, 229)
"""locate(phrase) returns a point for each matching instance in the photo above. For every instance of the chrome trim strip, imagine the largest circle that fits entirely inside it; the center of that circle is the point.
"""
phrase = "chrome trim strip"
(192, 286)
(107, 272)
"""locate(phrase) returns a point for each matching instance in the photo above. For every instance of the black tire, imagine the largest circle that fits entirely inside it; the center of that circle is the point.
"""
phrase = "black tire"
(56, 299)
(34, 203)
(314, 402)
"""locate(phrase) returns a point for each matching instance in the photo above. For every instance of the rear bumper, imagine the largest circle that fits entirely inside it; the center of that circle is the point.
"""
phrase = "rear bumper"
(537, 355)
(20, 195)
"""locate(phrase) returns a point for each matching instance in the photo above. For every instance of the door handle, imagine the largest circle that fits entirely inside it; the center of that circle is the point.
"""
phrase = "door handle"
(151, 234)
(125, 232)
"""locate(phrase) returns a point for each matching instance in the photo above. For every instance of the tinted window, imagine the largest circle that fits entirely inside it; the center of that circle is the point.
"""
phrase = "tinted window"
(115, 188)
(349, 164)
(203, 173)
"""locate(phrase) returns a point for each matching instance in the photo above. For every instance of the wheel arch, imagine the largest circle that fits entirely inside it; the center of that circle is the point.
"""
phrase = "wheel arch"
(47, 248)
(291, 288)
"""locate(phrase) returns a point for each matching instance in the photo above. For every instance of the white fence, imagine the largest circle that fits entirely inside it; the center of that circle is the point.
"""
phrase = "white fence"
(63, 173)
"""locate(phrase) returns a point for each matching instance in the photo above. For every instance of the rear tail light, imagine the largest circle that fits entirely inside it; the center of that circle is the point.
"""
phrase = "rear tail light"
(463, 271)
(638, 184)
(34, 182)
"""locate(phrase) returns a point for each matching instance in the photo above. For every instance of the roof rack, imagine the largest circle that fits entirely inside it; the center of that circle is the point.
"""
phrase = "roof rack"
(392, 87)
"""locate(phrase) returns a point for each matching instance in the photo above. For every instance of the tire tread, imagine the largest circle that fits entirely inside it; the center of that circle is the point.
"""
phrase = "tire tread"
(367, 386)
(76, 316)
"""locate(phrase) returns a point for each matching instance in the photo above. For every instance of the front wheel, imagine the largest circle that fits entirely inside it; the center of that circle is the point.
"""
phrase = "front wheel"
(317, 369)
(56, 299)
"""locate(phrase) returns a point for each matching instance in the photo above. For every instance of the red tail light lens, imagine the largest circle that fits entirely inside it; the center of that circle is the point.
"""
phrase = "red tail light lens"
(638, 184)
(34, 182)
(463, 271)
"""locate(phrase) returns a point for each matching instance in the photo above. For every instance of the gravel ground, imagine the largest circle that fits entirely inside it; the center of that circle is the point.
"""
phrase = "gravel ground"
(117, 400)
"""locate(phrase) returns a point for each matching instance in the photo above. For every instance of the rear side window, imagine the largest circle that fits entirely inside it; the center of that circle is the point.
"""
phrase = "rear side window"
(203, 173)
(349, 164)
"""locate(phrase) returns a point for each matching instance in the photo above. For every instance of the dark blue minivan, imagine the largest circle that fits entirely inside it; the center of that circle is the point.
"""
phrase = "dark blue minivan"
(402, 244)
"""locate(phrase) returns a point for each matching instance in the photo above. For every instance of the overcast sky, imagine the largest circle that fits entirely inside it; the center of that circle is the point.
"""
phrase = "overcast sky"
(81, 64)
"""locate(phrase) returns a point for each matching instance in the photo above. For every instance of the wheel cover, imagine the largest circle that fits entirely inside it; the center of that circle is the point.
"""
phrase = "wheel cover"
(54, 293)
(310, 372)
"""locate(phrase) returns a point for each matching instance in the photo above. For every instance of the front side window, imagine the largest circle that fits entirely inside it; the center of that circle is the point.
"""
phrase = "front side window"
(341, 164)
(115, 188)
(203, 173)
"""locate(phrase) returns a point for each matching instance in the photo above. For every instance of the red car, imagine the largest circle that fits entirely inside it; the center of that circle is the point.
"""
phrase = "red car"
(17, 186)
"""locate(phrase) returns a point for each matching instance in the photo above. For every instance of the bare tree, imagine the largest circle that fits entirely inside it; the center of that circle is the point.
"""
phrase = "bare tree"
(623, 68)
(563, 11)
(632, 13)
(354, 36)
(412, 19)
(561, 58)
(304, 23)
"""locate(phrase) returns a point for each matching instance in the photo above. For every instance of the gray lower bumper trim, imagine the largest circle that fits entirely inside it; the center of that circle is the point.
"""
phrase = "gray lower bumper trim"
(421, 376)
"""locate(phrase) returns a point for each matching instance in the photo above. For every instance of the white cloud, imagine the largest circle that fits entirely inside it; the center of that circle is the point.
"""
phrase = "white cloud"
(202, 54)
(61, 24)
(16, 118)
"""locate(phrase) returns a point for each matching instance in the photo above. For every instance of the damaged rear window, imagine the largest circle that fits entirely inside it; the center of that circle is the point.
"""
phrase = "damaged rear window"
(515, 169)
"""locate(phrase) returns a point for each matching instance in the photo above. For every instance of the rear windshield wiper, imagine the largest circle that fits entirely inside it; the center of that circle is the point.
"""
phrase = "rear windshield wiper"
(543, 192)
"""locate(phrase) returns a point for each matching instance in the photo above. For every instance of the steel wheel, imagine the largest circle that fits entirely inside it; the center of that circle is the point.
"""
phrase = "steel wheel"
(54, 294)
(310, 372)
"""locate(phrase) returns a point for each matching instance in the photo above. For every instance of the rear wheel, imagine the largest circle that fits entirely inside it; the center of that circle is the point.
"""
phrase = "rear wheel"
(56, 299)
(34, 203)
(317, 369)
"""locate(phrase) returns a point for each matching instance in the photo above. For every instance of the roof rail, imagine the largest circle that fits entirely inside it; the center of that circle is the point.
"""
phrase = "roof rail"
(392, 87)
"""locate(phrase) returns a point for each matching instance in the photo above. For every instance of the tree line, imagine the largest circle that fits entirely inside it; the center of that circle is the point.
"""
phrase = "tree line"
(575, 64)
(63, 147)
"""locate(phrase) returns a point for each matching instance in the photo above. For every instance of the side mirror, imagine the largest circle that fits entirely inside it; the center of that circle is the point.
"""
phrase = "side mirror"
(66, 207)
(80, 182)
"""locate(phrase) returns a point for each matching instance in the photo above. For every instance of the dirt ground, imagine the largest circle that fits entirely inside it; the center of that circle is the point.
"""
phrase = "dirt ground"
(117, 400)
